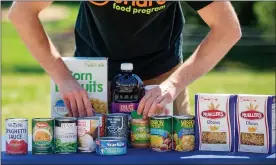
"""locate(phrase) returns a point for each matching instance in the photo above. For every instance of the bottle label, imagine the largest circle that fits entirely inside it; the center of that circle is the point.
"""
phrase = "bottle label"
(123, 107)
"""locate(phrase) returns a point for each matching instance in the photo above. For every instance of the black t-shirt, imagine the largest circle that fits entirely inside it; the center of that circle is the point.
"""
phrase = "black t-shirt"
(145, 33)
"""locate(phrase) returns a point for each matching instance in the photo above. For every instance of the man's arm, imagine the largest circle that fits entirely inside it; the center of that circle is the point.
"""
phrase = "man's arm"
(225, 32)
(24, 16)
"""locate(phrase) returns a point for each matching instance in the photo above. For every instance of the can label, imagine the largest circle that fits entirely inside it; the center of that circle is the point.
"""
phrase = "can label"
(117, 147)
(88, 131)
(140, 134)
(16, 136)
(117, 126)
(102, 124)
(65, 137)
(183, 138)
(43, 136)
(160, 133)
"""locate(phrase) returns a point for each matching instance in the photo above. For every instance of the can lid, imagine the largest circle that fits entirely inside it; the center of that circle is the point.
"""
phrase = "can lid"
(184, 117)
(135, 115)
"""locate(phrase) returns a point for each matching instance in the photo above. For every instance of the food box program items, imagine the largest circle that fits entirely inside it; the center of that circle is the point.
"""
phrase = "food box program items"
(215, 122)
(43, 136)
(91, 73)
(111, 146)
(16, 136)
(255, 125)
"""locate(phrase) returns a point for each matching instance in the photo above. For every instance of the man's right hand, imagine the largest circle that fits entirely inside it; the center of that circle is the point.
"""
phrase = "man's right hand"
(24, 16)
(76, 99)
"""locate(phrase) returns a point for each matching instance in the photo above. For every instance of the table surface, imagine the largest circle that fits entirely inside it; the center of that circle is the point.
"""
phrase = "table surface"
(141, 156)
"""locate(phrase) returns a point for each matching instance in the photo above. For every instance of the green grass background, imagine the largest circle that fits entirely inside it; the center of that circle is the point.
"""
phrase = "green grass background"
(26, 87)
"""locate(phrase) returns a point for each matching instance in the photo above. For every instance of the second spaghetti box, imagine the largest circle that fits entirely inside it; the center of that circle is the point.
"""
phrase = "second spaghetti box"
(255, 124)
(215, 121)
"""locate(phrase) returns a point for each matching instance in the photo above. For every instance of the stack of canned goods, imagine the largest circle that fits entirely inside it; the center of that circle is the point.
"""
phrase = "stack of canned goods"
(105, 135)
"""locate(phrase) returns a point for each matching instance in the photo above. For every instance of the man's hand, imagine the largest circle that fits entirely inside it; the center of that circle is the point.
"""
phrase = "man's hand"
(157, 98)
(24, 16)
(76, 99)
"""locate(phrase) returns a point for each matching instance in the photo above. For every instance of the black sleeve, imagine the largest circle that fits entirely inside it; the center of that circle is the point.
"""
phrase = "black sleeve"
(197, 5)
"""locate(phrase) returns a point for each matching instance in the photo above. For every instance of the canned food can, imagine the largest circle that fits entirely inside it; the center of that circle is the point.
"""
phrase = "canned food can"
(160, 133)
(43, 135)
(184, 135)
(102, 124)
(88, 132)
(117, 125)
(16, 136)
(111, 146)
(65, 135)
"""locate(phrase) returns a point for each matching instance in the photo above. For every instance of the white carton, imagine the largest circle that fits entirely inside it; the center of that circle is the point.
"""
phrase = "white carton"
(255, 123)
(91, 73)
(214, 128)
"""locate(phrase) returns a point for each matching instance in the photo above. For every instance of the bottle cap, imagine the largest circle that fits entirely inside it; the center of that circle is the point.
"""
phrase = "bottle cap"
(126, 66)
(135, 115)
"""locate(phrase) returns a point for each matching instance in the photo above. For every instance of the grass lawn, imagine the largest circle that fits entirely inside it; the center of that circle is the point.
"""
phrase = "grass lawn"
(28, 95)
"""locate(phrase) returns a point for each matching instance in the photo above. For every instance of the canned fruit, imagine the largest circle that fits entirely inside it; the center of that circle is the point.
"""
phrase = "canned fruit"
(16, 136)
(65, 135)
(111, 146)
(42, 132)
(160, 133)
(88, 131)
(117, 125)
(183, 128)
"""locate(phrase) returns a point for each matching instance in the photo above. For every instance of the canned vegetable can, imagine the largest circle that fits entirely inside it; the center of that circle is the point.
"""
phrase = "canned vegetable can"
(111, 146)
(65, 135)
(183, 137)
(161, 133)
(117, 125)
(88, 131)
(16, 136)
(42, 135)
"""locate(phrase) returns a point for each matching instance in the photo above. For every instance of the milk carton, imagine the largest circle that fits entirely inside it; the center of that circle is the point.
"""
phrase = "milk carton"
(255, 124)
(214, 128)
(91, 73)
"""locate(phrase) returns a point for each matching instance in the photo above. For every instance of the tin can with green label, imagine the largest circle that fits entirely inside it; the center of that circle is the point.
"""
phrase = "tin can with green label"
(140, 135)
(183, 133)
(161, 133)
(66, 135)
(43, 136)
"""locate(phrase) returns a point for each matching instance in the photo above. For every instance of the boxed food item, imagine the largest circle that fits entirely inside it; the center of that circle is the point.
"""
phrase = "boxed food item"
(91, 73)
(214, 128)
(255, 124)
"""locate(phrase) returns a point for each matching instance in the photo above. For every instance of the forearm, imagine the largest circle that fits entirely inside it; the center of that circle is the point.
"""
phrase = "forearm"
(40, 46)
(211, 50)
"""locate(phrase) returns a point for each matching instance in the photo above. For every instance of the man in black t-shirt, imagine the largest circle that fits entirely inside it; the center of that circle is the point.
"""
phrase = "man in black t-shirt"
(145, 33)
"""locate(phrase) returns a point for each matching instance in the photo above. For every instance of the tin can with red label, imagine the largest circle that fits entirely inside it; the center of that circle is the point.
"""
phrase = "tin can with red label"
(16, 136)
(102, 124)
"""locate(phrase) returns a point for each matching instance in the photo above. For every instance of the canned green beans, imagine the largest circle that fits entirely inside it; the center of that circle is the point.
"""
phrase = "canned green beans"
(65, 135)
(161, 133)
(42, 132)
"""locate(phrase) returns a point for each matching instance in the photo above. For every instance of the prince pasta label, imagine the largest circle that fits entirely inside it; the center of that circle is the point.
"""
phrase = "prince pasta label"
(91, 73)
(215, 122)
(255, 123)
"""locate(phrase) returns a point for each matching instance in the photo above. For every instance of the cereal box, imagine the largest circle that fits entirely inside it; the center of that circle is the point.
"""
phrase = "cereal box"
(91, 73)
(214, 128)
(255, 124)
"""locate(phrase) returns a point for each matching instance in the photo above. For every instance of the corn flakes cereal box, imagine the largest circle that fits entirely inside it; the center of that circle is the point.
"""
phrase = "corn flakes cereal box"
(214, 128)
(255, 124)
(91, 73)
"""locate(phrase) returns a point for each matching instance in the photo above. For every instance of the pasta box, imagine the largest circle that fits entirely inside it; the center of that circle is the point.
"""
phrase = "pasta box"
(214, 128)
(255, 124)
(91, 73)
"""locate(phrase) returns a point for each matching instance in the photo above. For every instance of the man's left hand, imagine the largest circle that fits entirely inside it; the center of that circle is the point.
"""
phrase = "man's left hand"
(157, 98)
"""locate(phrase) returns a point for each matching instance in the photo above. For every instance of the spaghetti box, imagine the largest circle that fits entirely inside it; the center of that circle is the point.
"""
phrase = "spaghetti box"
(214, 122)
(255, 124)
(91, 73)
